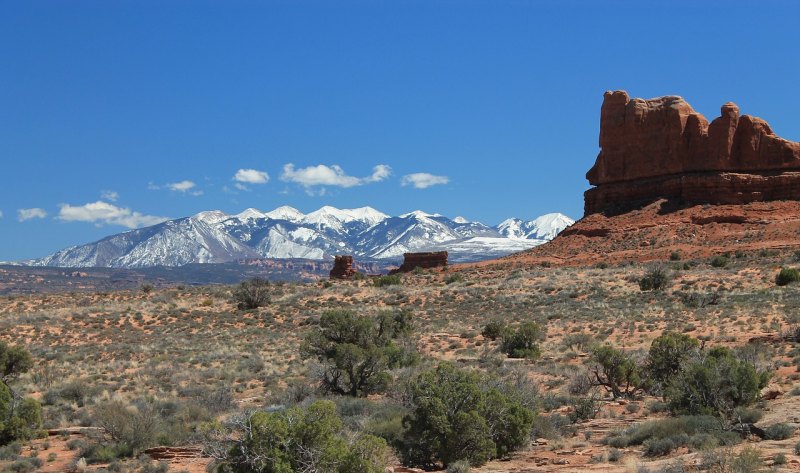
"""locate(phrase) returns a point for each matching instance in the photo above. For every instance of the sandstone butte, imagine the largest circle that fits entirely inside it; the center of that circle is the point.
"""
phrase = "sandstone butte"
(667, 180)
(662, 148)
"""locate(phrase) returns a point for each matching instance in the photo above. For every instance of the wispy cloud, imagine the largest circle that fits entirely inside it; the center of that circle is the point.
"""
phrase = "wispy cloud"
(322, 175)
(111, 196)
(251, 176)
(185, 187)
(24, 215)
(101, 213)
(423, 180)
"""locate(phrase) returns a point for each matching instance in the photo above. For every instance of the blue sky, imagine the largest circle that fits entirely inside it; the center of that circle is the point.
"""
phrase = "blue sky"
(113, 114)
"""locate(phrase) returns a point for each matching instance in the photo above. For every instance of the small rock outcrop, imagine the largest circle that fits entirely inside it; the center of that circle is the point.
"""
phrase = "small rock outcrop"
(411, 261)
(662, 148)
(343, 268)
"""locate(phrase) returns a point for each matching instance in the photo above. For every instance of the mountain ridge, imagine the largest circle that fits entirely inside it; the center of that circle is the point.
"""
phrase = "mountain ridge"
(214, 236)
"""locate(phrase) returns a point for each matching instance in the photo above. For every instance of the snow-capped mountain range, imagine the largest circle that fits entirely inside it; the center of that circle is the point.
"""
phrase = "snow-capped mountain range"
(285, 232)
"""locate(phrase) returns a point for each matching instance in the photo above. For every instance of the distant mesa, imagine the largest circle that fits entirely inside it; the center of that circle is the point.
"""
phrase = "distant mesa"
(662, 148)
(412, 261)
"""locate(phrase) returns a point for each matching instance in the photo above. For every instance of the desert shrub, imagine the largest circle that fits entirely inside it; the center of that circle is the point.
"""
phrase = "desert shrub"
(388, 280)
(357, 352)
(14, 361)
(460, 466)
(20, 418)
(297, 439)
(719, 261)
(675, 256)
(654, 280)
(583, 408)
(787, 276)
(779, 431)
(493, 329)
(131, 428)
(667, 355)
(716, 383)
(748, 460)
(577, 341)
(453, 278)
(615, 371)
(660, 437)
(746, 415)
(522, 341)
(10, 451)
(457, 415)
(251, 294)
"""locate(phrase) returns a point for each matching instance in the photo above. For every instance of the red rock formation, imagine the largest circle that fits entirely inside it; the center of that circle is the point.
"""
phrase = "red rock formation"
(343, 268)
(662, 148)
(411, 261)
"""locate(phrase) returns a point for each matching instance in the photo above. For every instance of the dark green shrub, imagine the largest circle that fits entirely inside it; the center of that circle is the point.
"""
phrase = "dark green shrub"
(668, 353)
(357, 351)
(654, 280)
(522, 342)
(787, 276)
(290, 440)
(779, 431)
(584, 408)
(715, 383)
(20, 419)
(388, 280)
(674, 256)
(493, 330)
(456, 415)
(252, 294)
(719, 261)
(615, 370)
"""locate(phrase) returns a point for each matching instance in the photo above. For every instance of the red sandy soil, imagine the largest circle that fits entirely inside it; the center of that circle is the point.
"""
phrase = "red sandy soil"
(657, 230)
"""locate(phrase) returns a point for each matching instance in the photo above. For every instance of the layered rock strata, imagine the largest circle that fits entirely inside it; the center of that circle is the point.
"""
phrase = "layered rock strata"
(662, 148)
(411, 261)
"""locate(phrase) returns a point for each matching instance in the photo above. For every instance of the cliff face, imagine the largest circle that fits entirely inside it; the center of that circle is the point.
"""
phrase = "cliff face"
(662, 148)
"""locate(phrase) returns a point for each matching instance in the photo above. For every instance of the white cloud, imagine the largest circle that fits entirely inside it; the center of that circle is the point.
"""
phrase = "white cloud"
(29, 214)
(182, 186)
(322, 175)
(251, 176)
(104, 213)
(110, 196)
(422, 180)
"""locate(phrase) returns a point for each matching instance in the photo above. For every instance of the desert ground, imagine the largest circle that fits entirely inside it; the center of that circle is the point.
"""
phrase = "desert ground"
(193, 357)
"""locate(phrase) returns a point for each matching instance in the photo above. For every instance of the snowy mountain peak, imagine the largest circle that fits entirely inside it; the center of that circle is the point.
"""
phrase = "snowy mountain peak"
(285, 212)
(250, 213)
(545, 227)
(418, 214)
(333, 217)
(367, 215)
(211, 217)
